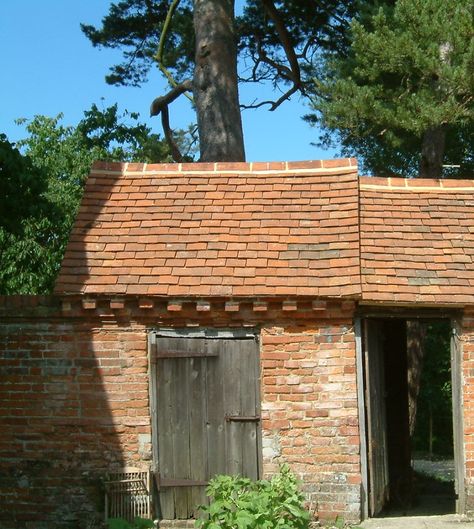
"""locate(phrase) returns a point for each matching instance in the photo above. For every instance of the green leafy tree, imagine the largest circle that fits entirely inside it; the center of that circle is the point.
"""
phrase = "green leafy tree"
(434, 424)
(41, 187)
(402, 98)
(196, 44)
(27, 224)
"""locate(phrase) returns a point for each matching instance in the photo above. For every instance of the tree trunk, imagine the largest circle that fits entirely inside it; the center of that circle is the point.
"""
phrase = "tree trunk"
(416, 334)
(215, 82)
(432, 152)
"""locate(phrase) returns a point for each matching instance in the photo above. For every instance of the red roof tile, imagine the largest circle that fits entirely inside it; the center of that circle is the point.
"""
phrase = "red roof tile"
(417, 240)
(217, 230)
(270, 229)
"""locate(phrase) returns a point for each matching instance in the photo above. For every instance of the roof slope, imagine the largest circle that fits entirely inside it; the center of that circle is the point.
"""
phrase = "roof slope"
(417, 240)
(217, 230)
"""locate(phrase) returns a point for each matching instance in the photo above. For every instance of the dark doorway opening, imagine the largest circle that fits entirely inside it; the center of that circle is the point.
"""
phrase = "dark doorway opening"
(409, 383)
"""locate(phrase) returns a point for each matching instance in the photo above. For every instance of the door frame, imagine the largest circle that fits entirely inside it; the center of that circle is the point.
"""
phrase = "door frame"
(372, 454)
(454, 316)
(364, 489)
(193, 332)
(458, 416)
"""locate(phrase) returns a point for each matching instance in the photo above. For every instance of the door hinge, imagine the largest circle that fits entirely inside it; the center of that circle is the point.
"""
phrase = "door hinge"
(163, 483)
(242, 418)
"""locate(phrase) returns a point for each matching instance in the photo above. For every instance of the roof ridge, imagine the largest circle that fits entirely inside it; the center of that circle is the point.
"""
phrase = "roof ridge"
(415, 184)
(329, 165)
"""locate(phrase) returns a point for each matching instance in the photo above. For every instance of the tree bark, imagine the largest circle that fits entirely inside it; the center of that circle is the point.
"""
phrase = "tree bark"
(416, 335)
(215, 85)
(432, 152)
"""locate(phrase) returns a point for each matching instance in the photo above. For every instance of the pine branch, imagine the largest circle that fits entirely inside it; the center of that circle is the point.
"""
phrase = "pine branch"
(160, 105)
(165, 122)
(291, 73)
(285, 40)
(163, 101)
(273, 104)
(161, 47)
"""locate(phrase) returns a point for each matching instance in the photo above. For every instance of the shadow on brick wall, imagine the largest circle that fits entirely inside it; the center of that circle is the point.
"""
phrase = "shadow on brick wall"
(58, 434)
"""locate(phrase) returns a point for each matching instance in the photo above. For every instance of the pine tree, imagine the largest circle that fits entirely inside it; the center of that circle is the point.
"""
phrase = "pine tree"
(197, 43)
(403, 97)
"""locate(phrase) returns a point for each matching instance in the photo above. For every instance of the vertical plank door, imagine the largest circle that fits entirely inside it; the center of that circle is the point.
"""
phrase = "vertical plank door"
(208, 416)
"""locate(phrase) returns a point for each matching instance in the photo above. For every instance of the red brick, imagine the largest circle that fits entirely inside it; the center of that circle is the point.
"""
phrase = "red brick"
(117, 303)
(289, 305)
(232, 306)
(107, 166)
(232, 166)
(89, 304)
(269, 166)
(342, 162)
(202, 306)
(203, 167)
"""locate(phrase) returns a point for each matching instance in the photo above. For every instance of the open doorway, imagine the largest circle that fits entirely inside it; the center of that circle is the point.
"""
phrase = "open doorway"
(412, 420)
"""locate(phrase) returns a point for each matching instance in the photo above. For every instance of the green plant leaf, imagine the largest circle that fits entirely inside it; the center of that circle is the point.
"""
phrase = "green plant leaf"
(142, 523)
(119, 523)
(240, 503)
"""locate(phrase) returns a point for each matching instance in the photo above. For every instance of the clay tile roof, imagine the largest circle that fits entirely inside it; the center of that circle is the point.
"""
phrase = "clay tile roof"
(417, 240)
(225, 229)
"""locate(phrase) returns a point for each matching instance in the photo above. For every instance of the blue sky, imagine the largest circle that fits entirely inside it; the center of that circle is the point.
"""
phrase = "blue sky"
(48, 66)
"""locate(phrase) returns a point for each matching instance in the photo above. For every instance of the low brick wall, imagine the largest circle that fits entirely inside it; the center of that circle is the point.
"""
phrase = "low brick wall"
(75, 405)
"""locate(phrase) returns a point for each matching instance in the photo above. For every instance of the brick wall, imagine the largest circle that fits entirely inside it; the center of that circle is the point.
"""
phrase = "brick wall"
(74, 404)
(310, 417)
(74, 399)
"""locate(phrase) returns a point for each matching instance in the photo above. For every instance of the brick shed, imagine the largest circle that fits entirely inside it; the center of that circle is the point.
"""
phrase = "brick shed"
(228, 318)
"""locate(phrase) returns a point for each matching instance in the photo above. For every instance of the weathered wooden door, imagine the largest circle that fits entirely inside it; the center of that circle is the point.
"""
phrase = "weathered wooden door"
(208, 418)
(377, 459)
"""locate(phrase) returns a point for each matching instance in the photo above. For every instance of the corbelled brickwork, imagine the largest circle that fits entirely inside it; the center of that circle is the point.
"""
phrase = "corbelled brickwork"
(75, 399)
(216, 230)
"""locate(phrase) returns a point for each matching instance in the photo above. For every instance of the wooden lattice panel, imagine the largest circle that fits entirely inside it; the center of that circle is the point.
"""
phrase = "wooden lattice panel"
(128, 495)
